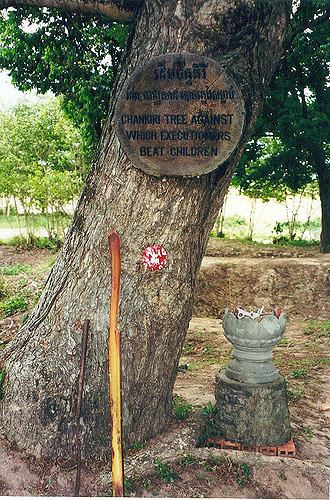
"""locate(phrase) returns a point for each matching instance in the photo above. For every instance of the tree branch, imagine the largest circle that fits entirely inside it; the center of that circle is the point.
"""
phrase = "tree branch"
(123, 11)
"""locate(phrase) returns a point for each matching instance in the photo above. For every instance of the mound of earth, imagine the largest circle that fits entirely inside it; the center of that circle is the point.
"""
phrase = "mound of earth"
(298, 285)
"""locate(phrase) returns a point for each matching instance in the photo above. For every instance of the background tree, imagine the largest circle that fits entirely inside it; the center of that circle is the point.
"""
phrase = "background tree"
(72, 54)
(290, 148)
(42, 362)
(261, 175)
(42, 165)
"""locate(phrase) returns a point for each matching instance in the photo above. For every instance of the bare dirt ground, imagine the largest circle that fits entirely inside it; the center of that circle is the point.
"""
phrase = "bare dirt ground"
(170, 464)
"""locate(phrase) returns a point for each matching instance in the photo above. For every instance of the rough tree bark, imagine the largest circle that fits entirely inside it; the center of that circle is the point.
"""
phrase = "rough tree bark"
(42, 363)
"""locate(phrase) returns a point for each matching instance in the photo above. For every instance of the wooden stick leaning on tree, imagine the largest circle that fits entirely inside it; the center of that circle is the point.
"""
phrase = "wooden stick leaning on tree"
(114, 370)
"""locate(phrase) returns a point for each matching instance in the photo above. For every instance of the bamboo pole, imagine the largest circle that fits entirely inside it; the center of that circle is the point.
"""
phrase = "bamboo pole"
(114, 370)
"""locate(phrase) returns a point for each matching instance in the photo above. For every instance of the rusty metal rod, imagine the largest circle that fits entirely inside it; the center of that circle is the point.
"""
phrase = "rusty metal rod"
(79, 402)
(115, 370)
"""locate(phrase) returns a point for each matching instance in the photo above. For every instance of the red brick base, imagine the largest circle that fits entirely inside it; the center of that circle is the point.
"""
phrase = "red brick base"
(287, 450)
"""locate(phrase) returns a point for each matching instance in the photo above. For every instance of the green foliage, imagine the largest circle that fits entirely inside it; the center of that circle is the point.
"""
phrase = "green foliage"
(165, 473)
(33, 242)
(209, 424)
(43, 242)
(138, 445)
(128, 487)
(306, 431)
(299, 373)
(287, 232)
(75, 55)
(147, 484)
(15, 269)
(298, 243)
(318, 328)
(290, 147)
(15, 304)
(3, 290)
(187, 459)
(244, 475)
(42, 165)
(294, 395)
(213, 461)
(181, 409)
(2, 379)
(268, 171)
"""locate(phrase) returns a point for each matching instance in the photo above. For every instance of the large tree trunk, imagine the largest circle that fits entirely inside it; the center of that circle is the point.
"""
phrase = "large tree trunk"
(43, 361)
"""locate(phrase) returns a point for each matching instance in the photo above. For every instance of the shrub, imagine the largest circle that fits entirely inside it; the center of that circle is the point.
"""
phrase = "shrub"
(164, 472)
(181, 409)
(13, 305)
(209, 425)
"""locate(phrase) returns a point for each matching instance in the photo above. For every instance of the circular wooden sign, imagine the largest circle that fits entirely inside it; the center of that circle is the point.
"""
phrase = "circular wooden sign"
(179, 115)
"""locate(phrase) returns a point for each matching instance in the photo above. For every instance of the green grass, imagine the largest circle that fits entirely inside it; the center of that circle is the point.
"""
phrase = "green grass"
(299, 373)
(244, 474)
(165, 473)
(294, 394)
(209, 424)
(318, 329)
(283, 342)
(306, 431)
(238, 237)
(188, 349)
(15, 269)
(181, 409)
(235, 227)
(3, 288)
(10, 306)
(37, 221)
(187, 459)
(287, 365)
(21, 285)
(138, 445)
(194, 366)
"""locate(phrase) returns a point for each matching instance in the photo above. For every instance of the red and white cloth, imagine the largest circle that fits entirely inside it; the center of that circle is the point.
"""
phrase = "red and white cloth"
(154, 258)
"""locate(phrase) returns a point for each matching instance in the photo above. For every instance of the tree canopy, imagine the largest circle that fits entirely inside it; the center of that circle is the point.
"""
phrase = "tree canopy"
(73, 54)
(290, 147)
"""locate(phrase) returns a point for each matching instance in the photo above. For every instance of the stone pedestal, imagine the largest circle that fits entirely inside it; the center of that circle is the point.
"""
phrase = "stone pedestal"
(250, 393)
(252, 414)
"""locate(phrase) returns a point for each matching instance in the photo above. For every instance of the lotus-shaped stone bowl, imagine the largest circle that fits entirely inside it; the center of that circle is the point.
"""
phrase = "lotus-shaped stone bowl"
(253, 340)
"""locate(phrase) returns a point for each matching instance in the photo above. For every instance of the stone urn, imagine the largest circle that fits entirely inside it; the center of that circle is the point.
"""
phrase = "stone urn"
(250, 393)
(253, 341)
